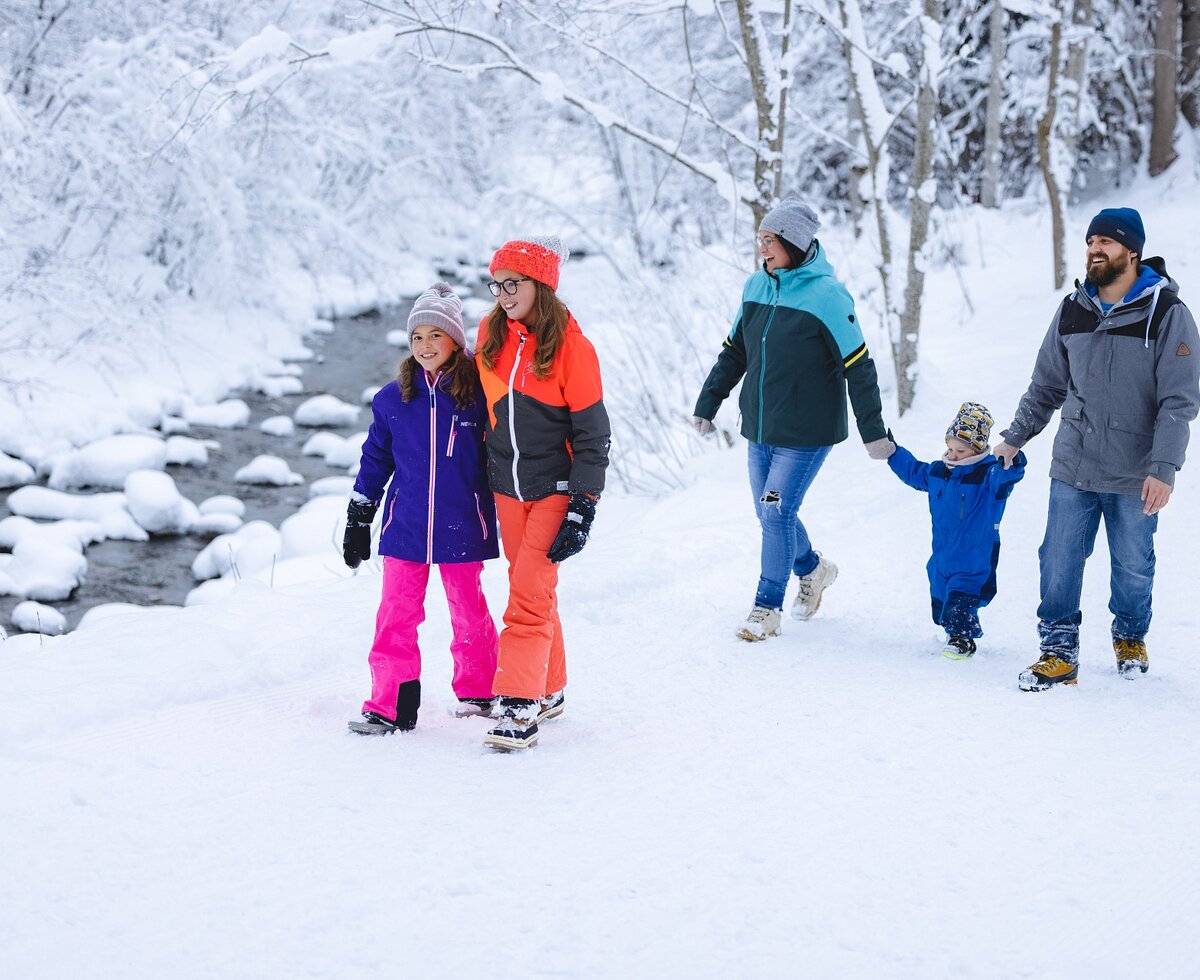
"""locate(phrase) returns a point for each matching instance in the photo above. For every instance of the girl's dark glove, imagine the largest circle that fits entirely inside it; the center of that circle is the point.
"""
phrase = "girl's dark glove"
(356, 545)
(576, 526)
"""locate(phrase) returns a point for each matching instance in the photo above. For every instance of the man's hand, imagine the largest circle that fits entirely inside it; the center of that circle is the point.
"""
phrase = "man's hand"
(1006, 454)
(703, 426)
(1155, 493)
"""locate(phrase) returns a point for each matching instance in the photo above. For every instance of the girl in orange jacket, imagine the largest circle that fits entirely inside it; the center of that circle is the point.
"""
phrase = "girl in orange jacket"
(547, 444)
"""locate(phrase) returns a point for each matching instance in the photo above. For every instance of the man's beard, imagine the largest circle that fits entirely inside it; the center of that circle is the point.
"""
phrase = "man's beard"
(1108, 271)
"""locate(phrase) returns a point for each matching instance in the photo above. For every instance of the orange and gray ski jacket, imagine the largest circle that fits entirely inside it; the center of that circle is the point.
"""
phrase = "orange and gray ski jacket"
(545, 435)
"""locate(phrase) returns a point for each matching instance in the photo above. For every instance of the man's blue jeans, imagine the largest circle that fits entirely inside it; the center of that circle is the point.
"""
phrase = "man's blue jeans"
(779, 478)
(1070, 535)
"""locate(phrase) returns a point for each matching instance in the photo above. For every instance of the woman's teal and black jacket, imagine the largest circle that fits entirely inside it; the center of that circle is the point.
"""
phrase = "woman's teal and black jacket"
(799, 345)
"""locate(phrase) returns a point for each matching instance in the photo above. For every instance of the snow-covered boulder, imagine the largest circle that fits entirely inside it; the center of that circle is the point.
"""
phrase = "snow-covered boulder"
(106, 509)
(233, 413)
(215, 524)
(106, 462)
(278, 425)
(332, 486)
(269, 471)
(369, 393)
(33, 617)
(223, 554)
(186, 451)
(337, 450)
(73, 533)
(277, 387)
(42, 569)
(223, 503)
(326, 410)
(14, 472)
(398, 338)
(171, 425)
(156, 503)
(315, 529)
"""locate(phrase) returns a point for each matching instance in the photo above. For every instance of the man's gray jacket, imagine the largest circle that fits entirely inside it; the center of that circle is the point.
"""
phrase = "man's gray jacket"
(1128, 384)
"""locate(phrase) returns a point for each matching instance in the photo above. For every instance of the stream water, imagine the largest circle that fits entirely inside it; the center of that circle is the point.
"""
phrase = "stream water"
(354, 356)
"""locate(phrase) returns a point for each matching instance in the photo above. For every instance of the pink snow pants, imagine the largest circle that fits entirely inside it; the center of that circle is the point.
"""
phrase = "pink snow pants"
(396, 657)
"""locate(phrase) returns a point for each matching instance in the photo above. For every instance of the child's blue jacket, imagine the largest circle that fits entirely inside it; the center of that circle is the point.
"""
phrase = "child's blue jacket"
(966, 504)
(438, 508)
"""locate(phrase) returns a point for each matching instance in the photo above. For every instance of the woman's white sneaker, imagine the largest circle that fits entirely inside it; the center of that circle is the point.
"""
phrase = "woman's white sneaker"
(761, 623)
(812, 587)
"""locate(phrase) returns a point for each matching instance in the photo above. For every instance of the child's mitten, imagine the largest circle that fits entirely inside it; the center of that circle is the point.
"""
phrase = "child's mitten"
(576, 526)
(356, 544)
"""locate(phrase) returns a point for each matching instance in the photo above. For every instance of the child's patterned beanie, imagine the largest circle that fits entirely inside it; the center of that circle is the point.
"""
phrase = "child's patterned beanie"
(539, 258)
(973, 425)
(440, 308)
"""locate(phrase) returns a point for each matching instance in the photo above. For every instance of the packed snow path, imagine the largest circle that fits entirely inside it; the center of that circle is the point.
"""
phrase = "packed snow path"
(182, 798)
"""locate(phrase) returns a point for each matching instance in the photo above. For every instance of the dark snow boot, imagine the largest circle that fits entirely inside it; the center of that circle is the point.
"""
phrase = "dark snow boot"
(516, 727)
(408, 701)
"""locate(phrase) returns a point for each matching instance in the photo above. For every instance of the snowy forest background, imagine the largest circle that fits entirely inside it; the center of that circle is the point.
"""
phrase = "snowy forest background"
(166, 167)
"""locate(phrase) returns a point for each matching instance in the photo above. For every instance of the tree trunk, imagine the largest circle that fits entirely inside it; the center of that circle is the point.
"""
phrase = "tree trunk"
(768, 83)
(989, 193)
(1048, 155)
(1189, 61)
(922, 195)
(1166, 91)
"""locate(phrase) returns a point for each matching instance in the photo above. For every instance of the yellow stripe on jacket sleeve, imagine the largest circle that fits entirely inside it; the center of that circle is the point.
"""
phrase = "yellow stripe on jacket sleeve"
(855, 355)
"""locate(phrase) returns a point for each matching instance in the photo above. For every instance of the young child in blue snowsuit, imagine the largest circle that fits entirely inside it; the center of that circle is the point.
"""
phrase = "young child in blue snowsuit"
(967, 489)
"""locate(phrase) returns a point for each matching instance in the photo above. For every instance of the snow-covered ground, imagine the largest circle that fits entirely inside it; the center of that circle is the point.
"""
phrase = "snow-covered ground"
(181, 797)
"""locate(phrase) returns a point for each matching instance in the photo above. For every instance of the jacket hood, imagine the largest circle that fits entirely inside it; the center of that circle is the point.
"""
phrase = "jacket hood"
(1152, 274)
(815, 266)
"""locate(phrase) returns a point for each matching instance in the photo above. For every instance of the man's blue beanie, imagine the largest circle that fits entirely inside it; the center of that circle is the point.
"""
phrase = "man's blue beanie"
(1122, 225)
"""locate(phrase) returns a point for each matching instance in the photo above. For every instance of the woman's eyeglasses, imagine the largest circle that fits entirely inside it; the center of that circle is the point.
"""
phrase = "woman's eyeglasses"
(508, 285)
(766, 241)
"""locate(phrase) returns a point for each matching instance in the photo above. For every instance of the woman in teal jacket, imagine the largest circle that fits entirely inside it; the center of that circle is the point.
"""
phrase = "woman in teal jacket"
(798, 344)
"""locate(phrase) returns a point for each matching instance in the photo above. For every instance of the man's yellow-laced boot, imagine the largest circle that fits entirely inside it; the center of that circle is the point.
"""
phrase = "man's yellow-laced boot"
(1132, 658)
(1048, 672)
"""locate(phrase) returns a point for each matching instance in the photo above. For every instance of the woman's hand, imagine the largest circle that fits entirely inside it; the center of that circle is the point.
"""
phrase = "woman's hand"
(703, 426)
(880, 448)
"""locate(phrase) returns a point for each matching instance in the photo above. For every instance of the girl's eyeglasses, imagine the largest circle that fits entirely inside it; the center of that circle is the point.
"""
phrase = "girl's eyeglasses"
(508, 285)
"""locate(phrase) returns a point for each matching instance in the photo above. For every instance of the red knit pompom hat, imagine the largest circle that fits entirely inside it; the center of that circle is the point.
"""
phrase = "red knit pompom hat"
(539, 258)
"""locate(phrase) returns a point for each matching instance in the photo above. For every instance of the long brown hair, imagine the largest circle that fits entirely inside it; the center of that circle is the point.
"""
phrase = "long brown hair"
(459, 378)
(549, 317)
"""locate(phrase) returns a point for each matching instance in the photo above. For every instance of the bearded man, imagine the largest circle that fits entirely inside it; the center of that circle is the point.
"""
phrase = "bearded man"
(1121, 360)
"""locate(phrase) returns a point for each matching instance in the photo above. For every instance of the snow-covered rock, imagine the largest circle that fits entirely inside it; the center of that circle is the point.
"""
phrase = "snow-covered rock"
(239, 553)
(156, 503)
(369, 393)
(326, 410)
(274, 387)
(34, 617)
(106, 509)
(215, 524)
(106, 462)
(42, 569)
(315, 529)
(337, 450)
(186, 451)
(223, 503)
(172, 424)
(269, 471)
(233, 413)
(278, 425)
(398, 338)
(331, 486)
(73, 533)
(14, 472)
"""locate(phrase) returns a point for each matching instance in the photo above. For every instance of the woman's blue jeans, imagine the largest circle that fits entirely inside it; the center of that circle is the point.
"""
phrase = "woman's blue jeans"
(779, 478)
(1070, 536)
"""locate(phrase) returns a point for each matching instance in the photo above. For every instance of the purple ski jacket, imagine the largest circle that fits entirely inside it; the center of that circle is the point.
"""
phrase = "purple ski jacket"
(438, 508)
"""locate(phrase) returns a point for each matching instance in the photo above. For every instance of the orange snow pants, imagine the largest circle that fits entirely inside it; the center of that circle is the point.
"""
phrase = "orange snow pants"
(532, 659)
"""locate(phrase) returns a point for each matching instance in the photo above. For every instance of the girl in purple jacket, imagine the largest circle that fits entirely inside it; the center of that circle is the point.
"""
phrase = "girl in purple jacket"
(427, 438)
